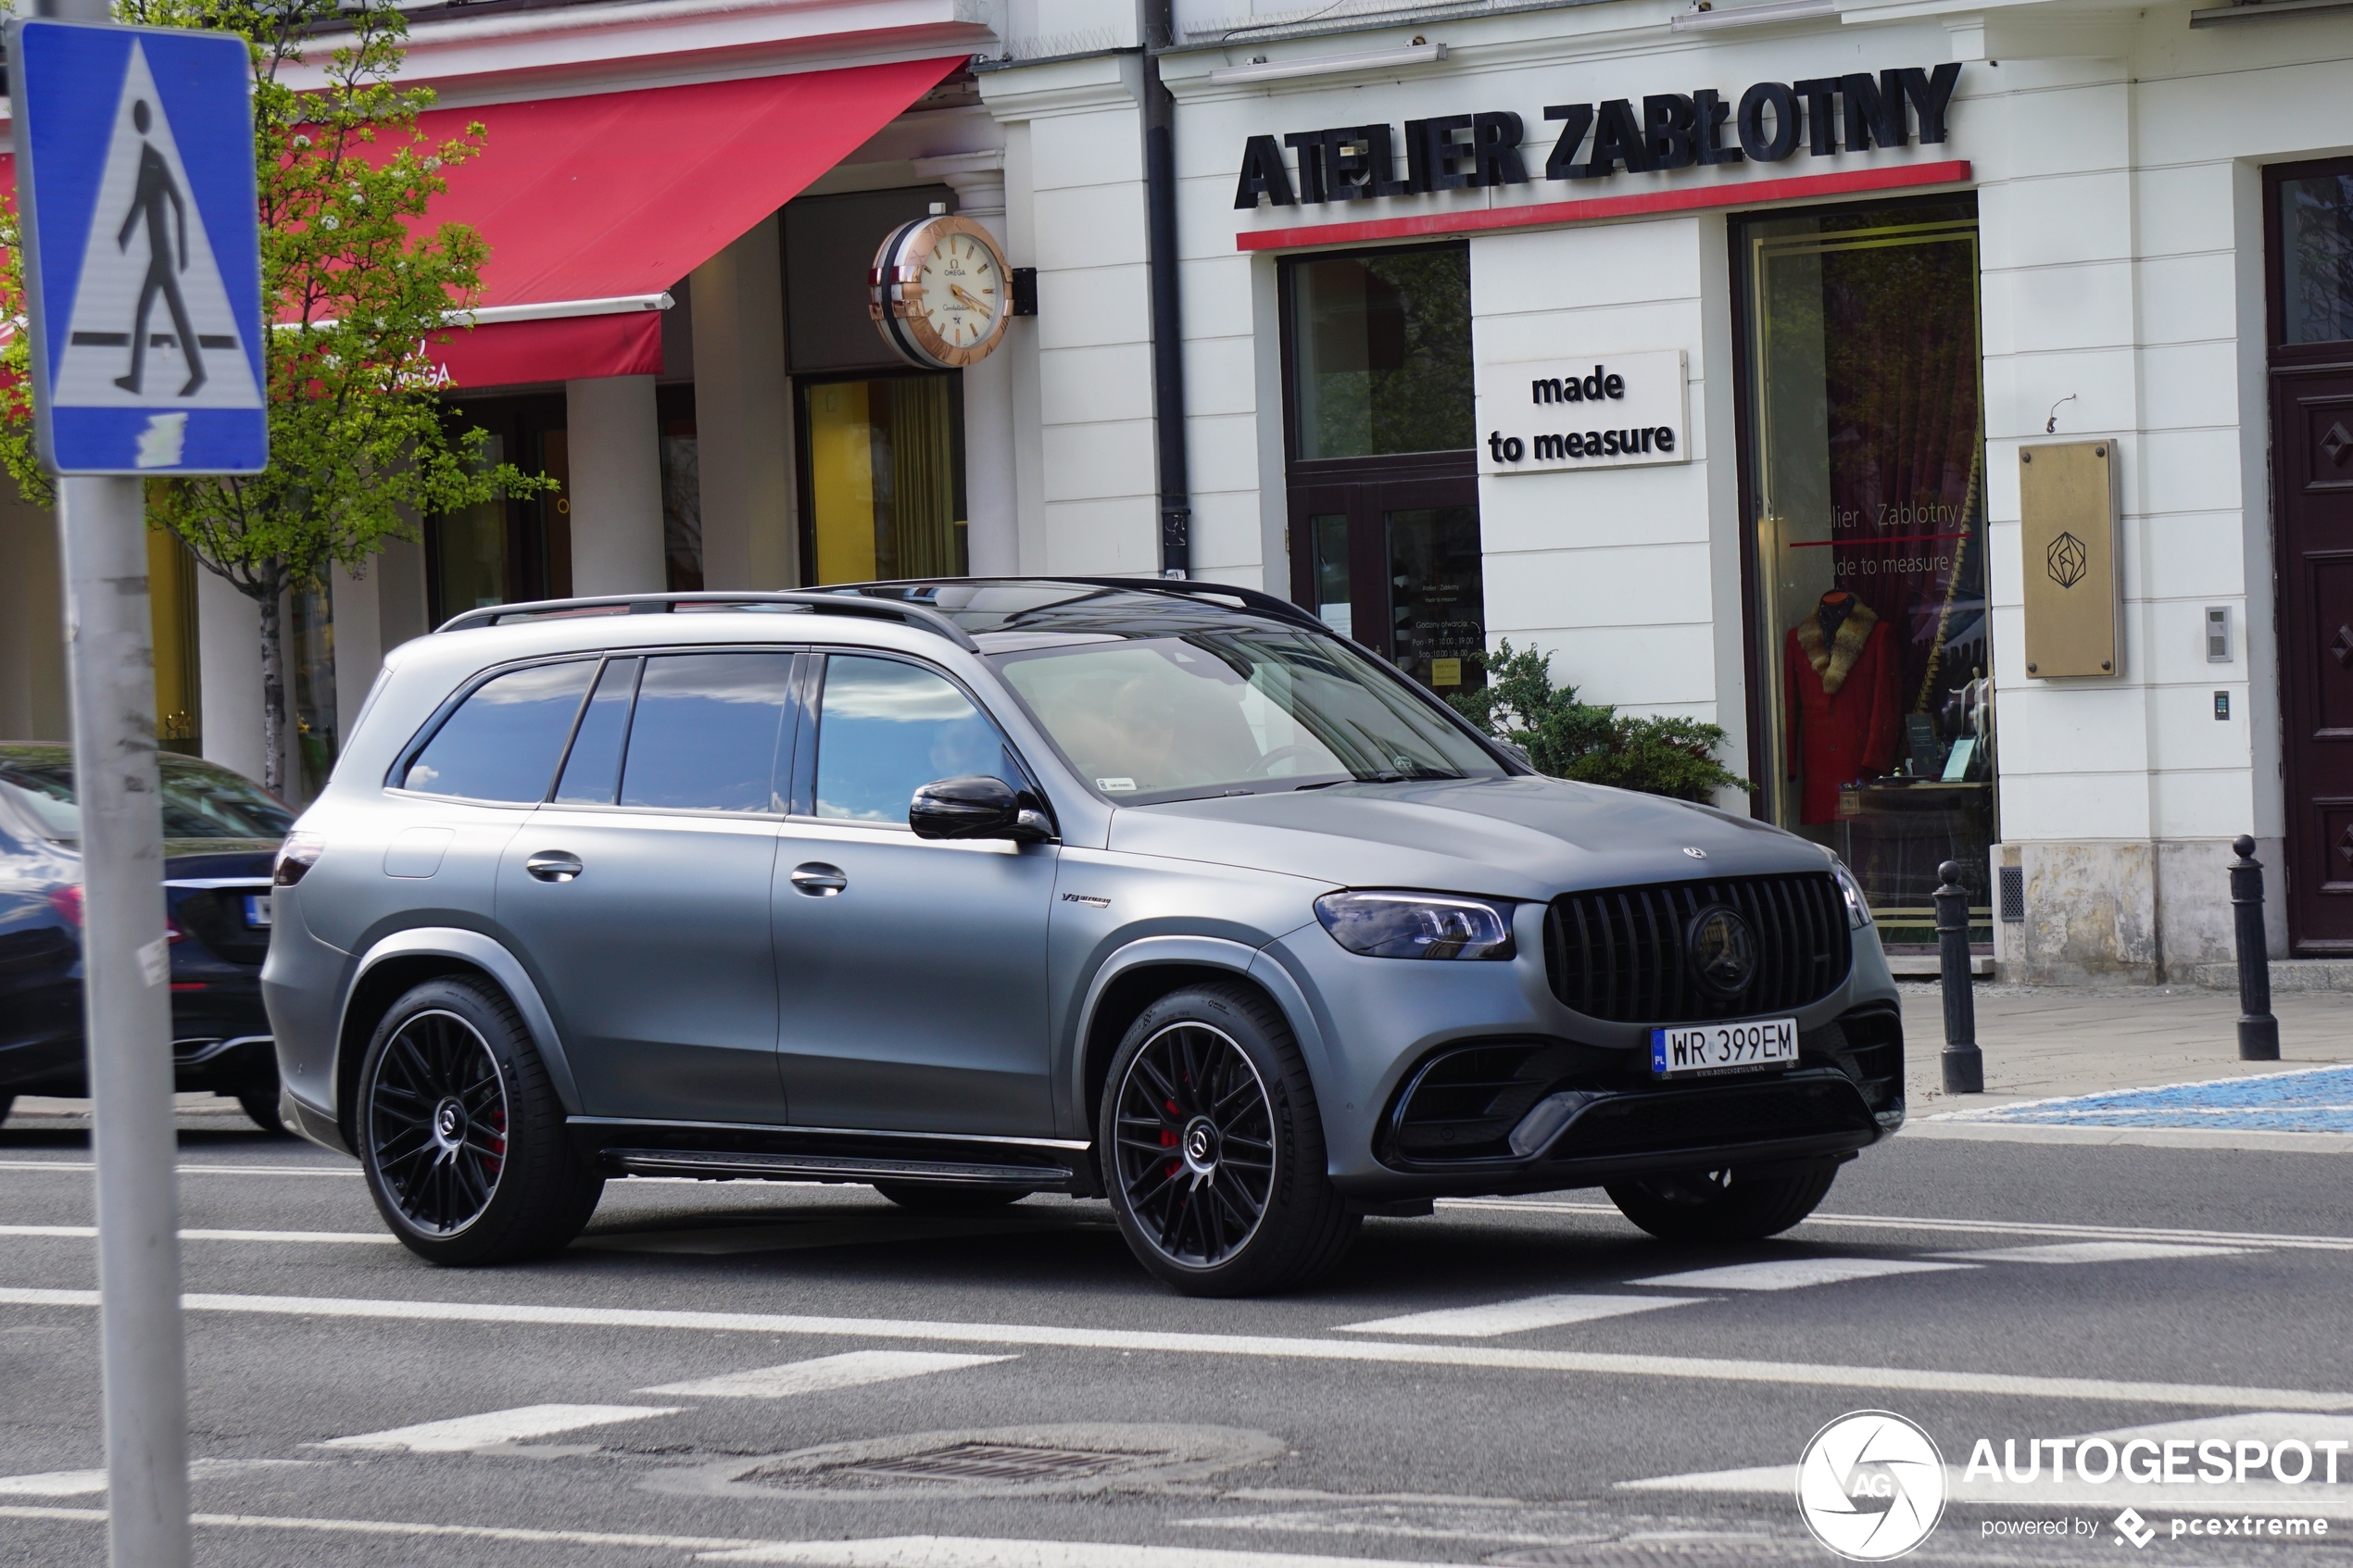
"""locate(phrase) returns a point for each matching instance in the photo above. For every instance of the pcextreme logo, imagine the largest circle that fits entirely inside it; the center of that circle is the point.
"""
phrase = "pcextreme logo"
(1870, 1486)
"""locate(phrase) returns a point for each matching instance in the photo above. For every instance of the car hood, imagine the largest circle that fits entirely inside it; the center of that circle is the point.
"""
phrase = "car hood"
(1521, 837)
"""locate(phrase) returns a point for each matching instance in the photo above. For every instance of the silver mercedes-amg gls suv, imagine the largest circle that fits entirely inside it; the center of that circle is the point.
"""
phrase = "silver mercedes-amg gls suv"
(1157, 892)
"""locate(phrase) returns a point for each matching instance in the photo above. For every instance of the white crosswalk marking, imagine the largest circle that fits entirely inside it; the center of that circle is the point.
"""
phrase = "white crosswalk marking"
(1792, 1274)
(2094, 1252)
(467, 1432)
(1514, 1317)
(847, 1370)
(970, 1551)
(54, 1483)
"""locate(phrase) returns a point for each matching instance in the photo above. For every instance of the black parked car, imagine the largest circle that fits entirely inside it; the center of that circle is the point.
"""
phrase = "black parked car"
(221, 832)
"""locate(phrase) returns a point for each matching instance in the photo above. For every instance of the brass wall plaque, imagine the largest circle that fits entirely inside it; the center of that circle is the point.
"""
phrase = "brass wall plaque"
(2067, 504)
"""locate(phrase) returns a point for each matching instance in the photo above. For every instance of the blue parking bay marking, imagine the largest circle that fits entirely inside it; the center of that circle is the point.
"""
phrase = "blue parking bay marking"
(2313, 1100)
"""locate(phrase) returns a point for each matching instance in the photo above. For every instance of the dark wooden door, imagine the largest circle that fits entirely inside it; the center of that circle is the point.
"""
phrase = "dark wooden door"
(2312, 476)
(1395, 563)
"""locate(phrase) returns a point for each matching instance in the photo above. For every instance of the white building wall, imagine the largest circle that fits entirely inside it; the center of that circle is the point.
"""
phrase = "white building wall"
(1084, 225)
(2117, 163)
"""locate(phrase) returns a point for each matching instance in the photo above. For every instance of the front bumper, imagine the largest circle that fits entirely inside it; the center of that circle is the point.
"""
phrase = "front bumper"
(1381, 1025)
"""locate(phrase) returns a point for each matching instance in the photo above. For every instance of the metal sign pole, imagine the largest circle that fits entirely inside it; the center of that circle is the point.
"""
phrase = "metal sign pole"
(126, 965)
(126, 969)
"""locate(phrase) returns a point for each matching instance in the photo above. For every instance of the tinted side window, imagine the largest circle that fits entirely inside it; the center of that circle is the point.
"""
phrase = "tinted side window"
(705, 731)
(503, 742)
(593, 770)
(887, 729)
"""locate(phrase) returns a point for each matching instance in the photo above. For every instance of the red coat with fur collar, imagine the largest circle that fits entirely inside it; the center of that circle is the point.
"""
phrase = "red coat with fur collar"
(1842, 700)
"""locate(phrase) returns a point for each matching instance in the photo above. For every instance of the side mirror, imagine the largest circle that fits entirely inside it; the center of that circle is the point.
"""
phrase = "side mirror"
(977, 806)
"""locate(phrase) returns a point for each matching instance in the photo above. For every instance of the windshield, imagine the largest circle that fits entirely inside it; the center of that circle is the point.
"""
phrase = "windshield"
(199, 801)
(1211, 713)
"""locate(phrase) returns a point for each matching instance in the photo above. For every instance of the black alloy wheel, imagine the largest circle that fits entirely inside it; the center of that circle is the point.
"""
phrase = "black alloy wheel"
(459, 1133)
(437, 1122)
(1196, 1144)
(1211, 1147)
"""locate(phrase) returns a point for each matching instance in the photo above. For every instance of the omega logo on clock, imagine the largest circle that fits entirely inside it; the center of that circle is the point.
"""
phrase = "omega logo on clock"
(940, 291)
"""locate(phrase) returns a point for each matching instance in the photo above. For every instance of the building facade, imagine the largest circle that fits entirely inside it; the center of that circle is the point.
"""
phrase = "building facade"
(1710, 350)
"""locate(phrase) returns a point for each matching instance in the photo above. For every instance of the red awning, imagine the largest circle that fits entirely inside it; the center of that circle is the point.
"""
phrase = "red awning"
(594, 205)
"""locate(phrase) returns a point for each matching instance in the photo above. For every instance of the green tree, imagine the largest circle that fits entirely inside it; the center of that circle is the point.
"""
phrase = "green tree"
(356, 285)
(1590, 742)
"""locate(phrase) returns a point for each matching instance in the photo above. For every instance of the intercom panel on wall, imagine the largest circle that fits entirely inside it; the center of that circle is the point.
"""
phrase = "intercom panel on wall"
(2067, 509)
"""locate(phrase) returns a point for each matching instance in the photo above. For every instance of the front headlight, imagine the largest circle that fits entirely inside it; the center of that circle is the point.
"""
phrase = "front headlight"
(1859, 908)
(1417, 925)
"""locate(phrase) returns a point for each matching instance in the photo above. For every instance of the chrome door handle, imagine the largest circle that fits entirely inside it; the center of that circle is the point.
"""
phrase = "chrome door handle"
(818, 880)
(554, 865)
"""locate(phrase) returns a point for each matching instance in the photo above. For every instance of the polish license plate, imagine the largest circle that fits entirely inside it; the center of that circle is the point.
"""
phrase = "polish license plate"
(258, 913)
(1723, 1048)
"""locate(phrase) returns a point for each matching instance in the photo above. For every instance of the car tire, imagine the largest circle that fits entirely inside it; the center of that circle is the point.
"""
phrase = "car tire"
(1213, 1149)
(460, 1134)
(940, 1197)
(260, 1105)
(1720, 1204)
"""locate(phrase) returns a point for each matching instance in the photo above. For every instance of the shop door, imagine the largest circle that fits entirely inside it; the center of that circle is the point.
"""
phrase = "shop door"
(2313, 427)
(1395, 565)
(2308, 212)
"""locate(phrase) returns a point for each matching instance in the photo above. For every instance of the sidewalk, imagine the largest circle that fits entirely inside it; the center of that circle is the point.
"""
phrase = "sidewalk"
(2049, 1042)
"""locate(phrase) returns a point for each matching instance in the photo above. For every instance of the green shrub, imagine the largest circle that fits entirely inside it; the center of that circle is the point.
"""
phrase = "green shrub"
(1593, 743)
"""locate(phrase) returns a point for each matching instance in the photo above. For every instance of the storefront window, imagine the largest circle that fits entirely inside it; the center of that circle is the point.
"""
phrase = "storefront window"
(681, 489)
(1382, 345)
(2316, 257)
(312, 651)
(470, 551)
(172, 590)
(1867, 478)
(883, 491)
(502, 551)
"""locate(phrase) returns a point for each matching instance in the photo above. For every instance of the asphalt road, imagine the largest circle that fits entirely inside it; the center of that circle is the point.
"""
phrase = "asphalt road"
(968, 1394)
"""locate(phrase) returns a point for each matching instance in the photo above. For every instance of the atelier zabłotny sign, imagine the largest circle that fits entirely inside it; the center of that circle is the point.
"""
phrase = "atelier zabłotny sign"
(1455, 152)
(1537, 416)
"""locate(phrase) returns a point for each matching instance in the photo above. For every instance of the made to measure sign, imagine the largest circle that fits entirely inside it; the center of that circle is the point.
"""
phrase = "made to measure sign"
(1540, 416)
(142, 258)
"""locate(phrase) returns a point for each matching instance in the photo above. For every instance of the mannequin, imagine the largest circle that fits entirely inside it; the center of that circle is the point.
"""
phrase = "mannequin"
(1840, 676)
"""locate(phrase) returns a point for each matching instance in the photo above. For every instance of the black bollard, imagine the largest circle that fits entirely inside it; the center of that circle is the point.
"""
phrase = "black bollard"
(2258, 1030)
(1964, 1064)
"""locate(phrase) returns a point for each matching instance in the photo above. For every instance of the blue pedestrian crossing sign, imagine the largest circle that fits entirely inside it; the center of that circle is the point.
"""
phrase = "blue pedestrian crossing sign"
(143, 254)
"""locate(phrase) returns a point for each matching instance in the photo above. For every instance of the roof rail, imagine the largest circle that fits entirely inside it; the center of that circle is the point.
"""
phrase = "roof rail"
(906, 614)
(1252, 599)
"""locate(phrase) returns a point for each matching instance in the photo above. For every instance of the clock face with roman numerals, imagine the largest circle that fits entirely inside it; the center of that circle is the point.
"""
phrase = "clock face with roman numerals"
(942, 294)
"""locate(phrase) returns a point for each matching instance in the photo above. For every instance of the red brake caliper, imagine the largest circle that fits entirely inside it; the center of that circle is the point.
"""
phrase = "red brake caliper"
(1168, 1140)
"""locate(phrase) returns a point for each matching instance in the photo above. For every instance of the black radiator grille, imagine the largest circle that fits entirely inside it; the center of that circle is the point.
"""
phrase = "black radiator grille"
(1619, 953)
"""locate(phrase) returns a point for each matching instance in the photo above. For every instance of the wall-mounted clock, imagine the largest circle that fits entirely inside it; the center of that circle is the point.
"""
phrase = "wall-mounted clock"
(941, 291)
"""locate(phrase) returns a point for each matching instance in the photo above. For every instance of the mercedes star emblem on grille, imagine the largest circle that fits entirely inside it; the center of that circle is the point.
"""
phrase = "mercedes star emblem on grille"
(1723, 952)
(1695, 854)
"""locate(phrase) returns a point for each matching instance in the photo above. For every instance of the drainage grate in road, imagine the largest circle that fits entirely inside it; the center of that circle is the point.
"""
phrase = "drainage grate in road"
(998, 1462)
(1060, 1460)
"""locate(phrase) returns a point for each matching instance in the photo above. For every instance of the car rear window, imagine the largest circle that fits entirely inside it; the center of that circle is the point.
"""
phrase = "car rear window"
(502, 742)
(705, 732)
(200, 800)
